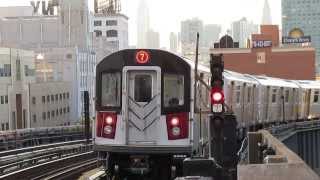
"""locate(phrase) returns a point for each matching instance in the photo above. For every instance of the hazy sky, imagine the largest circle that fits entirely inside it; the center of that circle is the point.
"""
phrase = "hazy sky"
(166, 15)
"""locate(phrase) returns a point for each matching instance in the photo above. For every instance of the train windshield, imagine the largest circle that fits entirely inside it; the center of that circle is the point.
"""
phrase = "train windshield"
(173, 90)
(142, 88)
(111, 89)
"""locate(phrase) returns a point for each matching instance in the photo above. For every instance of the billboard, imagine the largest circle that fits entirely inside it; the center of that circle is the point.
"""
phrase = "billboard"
(45, 8)
(261, 44)
(296, 36)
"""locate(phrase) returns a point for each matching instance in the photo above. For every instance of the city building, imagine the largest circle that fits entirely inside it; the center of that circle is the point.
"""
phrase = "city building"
(211, 34)
(266, 57)
(153, 40)
(266, 16)
(107, 6)
(306, 17)
(241, 31)
(46, 31)
(61, 42)
(17, 72)
(50, 104)
(173, 42)
(143, 24)
(69, 65)
(110, 33)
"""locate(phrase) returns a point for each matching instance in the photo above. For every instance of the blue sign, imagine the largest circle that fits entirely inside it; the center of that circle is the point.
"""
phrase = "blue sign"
(291, 40)
(261, 44)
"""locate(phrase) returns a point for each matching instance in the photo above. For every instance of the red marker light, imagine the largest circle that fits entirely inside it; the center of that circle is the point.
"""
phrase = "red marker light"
(217, 96)
(142, 57)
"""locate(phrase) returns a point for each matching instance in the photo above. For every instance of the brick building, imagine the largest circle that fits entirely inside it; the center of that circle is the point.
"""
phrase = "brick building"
(266, 57)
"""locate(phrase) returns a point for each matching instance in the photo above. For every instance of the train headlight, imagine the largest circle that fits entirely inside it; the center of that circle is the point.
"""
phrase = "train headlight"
(109, 120)
(176, 131)
(175, 121)
(107, 129)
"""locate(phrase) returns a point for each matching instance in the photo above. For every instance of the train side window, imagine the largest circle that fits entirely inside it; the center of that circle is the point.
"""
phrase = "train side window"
(173, 90)
(142, 88)
(238, 94)
(316, 97)
(249, 94)
(286, 97)
(274, 96)
(110, 89)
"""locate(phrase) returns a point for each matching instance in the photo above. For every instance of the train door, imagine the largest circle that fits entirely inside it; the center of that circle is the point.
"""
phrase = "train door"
(307, 103)
(143, 105)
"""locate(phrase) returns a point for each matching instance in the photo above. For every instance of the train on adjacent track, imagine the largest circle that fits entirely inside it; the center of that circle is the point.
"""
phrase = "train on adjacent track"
(147, 121)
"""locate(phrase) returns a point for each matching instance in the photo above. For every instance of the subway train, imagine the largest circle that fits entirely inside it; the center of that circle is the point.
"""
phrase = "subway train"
(147, 121)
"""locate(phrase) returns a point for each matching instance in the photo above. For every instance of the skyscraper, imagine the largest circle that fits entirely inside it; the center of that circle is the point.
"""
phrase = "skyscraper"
(153, 39)
(241, 31)
(211, 34)
(266, 17)
(142, 24)
(173, 42)
(306, 17)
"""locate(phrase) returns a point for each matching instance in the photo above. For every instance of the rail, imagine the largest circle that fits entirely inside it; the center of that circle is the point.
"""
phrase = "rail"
(55, 168)
(13, 163)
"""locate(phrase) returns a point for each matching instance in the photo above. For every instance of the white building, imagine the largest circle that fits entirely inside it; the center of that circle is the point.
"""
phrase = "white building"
(109, 33)
(211, 34)
(17, 72)
(143, 24)
(241, 31)
(153, 40)
(173, 42)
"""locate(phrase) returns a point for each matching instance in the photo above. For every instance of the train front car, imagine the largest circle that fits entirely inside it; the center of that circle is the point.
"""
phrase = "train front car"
(143, 113)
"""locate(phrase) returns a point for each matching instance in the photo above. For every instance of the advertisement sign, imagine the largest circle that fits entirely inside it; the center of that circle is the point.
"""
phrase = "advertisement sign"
(293, 40)
(261, 44)
(45, 8)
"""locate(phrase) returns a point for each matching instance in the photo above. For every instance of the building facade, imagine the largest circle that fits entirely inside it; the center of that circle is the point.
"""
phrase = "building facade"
(305, 16)
(50, 104)
(109, 33)
(17, 72)
(266, 57)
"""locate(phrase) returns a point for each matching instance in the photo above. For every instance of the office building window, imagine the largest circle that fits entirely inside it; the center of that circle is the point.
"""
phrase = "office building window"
(34, 117)
(43, 99)
(48, 114)
(6, 99)
(44, 116)
(52, 114)
(111, 23)
(7, 126)
(98, 33)
(112, 33)
(2, 99)
(57, 97)
(52, 98)
(97, 23)
(48, 98)
(33, 100)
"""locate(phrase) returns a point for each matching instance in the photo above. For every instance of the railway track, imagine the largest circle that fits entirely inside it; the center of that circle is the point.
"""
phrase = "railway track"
(64, 168)
(14, 162)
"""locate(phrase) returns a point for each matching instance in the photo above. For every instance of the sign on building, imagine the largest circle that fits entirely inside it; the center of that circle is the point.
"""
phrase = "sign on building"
(45, 8)
(296, 36)
(261, 44)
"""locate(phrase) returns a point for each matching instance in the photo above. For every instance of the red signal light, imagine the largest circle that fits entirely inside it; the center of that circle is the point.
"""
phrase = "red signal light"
(142, 57)
(217, 96)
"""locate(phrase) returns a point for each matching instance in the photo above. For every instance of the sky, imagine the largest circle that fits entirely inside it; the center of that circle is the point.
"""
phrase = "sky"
(166, 15)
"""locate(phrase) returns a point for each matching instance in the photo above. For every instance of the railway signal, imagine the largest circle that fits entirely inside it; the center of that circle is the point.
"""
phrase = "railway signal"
(217, 95)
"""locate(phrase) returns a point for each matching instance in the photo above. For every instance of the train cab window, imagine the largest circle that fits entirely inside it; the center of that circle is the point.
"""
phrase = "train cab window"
(316, 97)
(142, 88)
(173, 90)
(111, 86)
(274, 96)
